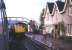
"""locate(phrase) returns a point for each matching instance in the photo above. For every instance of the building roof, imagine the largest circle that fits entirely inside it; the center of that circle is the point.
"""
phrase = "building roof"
(60, 5)
(50, 6)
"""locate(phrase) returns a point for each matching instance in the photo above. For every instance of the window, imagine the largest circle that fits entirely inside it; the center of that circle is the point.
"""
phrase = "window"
(70, 11)
(69, 29)
(70, 2)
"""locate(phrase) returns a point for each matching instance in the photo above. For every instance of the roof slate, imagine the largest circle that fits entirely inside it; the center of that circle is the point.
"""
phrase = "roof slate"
(60, 5)
(50, 6)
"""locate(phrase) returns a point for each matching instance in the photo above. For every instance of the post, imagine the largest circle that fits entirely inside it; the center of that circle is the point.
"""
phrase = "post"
(4, 25)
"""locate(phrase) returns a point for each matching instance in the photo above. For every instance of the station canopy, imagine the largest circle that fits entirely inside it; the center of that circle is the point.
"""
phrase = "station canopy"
(13, 20)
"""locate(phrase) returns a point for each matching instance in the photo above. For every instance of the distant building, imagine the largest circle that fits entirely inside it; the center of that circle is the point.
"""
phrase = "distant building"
(67, 17)
(48, 17)
(56, 13)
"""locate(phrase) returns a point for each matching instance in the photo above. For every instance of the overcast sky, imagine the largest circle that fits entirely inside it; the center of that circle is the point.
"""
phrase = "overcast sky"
(25, 8)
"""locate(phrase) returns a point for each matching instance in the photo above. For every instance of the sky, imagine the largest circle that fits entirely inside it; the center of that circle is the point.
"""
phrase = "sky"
(30, 9)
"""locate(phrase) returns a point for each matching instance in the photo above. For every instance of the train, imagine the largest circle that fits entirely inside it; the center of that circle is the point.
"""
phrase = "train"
(18, 29)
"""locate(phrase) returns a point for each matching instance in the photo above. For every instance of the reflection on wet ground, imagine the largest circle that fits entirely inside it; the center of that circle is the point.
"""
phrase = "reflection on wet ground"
(25, 44)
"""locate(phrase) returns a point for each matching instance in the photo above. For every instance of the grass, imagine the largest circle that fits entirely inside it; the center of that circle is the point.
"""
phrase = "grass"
(67, 40)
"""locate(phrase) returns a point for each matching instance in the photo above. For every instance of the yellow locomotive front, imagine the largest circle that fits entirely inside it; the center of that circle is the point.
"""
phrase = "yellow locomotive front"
(20, 29)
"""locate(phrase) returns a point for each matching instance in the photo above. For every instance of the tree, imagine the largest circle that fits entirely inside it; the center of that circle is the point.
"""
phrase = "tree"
(42, 19)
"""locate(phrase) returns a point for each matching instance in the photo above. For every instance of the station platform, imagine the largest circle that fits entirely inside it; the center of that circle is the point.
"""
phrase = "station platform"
(37, 42)
(51, 42)
(25, 43)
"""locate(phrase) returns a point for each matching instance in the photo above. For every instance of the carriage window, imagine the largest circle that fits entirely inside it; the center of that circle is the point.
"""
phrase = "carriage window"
(1, 28)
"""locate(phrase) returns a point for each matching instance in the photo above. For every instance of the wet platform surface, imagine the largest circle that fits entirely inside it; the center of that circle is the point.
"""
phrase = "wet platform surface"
(21, 44)
(25, 44)
(37, 42)
(51, 42)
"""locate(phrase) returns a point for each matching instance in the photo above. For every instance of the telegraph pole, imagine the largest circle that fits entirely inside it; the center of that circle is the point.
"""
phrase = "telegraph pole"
(4, 25)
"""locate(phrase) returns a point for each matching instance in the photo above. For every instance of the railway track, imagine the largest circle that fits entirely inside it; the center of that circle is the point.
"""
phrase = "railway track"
(25, 44)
